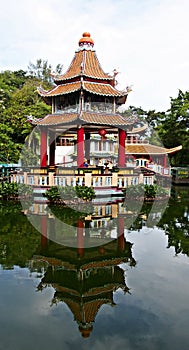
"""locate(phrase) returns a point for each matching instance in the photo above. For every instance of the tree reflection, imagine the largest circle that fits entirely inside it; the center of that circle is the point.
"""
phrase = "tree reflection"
(175, 221)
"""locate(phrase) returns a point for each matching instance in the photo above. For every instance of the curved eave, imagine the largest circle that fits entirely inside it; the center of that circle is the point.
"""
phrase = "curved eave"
(138, 130)
(109, 78)
(147, 149)
(61, 90)
(86, 118)
(103, 89)
(105, 119)
(61, 119)
(173, 150)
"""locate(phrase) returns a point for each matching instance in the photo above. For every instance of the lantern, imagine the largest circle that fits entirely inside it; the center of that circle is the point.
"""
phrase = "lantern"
(102, 133)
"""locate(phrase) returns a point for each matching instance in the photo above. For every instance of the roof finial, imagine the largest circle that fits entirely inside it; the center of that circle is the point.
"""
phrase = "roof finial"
(86, 40)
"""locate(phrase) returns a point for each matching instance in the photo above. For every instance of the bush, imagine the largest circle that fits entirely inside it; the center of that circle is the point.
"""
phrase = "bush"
(85, 192)
(59, 194)
(13, 190)
(53, 194)
(145, 191)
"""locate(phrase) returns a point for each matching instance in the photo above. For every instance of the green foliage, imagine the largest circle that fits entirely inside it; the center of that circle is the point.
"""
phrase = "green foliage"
(19, 240)
(19, 99)
(42, 70)
(61, 194)
(173, 129)
(169, 128)
(24, 102)
(14, 190)
(28, 157)
(53, 194)
(85, 192)
(9, 150)
(70, 215)
(8, 190)
(145, 191)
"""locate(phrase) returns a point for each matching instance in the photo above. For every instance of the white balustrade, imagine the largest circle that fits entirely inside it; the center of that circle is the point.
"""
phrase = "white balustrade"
(135, 181)
(80, 181)
(43, 180)
(108, 181)
(19, 179)
(30, 180)
(60, 181)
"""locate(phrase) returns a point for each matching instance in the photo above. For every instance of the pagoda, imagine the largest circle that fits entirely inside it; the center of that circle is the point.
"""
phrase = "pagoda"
(87, 283)
(84, 101)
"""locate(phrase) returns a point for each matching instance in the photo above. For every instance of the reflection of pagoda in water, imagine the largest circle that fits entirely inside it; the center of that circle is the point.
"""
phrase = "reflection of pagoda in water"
(84, 278)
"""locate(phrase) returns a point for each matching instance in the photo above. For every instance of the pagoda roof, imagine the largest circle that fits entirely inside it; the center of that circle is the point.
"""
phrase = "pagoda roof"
(61, 89)
(147, 149)
(97, 88)
(102, 89)
(108, 119)
(84, 63)
(58, 119)
(89, 310)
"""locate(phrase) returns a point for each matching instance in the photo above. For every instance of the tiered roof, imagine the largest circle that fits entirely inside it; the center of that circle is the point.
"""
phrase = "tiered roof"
(93, 87)
(104, 119)
(86, 63)
(84, 72)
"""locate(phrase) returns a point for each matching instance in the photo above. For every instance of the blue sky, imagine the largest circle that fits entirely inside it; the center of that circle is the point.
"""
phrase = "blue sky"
(145, 40)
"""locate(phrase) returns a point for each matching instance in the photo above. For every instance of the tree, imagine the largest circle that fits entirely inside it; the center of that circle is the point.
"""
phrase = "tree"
(18, 99)
(42, 70)
(9, 150)
(151, 118)
(23, 102)
(174, 128)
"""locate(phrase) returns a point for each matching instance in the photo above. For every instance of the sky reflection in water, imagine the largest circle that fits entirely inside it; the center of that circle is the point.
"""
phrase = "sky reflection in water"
(153, 315)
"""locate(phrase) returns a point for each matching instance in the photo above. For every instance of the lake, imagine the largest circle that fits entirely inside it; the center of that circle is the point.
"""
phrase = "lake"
(113, 276)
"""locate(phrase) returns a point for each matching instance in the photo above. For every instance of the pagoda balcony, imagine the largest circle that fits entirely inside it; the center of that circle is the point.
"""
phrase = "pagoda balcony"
(96, 107)
(67, 109)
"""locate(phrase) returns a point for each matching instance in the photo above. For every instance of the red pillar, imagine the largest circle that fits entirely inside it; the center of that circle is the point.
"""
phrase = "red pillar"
(87, 146)
(120, 233)
(43, 148)
(80, 147)
(52, 144)
(121, 150)
(80, 238)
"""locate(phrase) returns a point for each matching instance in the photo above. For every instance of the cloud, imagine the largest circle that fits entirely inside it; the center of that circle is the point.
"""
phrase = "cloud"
(147, 41)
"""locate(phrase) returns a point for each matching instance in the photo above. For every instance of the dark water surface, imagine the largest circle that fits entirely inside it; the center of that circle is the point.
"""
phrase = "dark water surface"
(128, 293)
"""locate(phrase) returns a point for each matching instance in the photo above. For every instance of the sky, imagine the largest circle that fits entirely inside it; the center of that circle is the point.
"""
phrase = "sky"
(147, 41)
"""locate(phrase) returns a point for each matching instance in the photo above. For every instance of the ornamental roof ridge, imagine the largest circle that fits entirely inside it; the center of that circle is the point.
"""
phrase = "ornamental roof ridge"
(84, 63)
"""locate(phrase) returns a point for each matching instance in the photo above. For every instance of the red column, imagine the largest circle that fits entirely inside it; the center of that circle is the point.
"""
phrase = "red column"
(120, 233)
(87, 146)
(80, 238)
(121, 150)
(80, 147)
(52, 137)
(43, 148)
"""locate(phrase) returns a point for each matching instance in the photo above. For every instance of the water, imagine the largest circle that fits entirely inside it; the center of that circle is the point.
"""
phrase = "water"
(127, 293)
